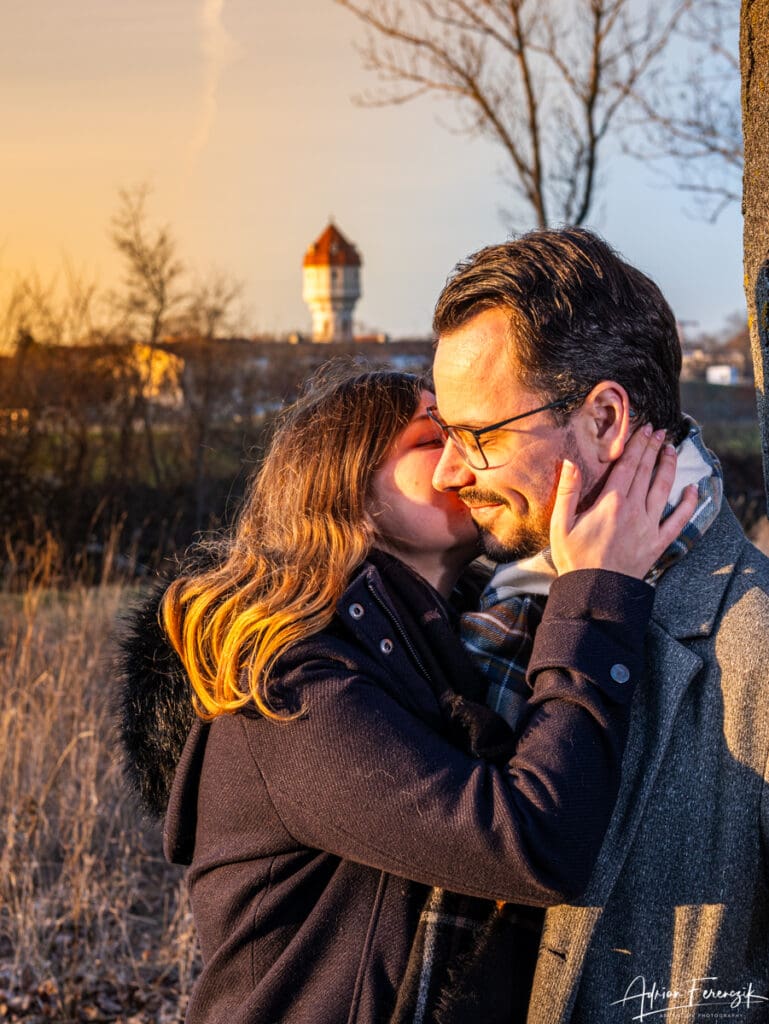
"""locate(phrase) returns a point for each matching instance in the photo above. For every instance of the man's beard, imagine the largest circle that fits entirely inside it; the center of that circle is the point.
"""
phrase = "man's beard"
(532, 532)
(529, 534)
(527, 543)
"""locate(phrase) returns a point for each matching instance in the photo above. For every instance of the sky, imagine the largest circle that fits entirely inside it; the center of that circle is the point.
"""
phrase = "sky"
(240, 118)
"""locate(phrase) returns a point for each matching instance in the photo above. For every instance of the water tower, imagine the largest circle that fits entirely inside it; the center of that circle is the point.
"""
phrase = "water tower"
(331, 285)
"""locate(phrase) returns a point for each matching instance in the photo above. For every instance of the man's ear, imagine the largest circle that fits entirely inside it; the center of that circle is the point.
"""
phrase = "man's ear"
(605, 420)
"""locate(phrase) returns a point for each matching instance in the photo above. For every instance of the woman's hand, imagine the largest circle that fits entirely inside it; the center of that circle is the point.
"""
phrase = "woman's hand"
(621, 531)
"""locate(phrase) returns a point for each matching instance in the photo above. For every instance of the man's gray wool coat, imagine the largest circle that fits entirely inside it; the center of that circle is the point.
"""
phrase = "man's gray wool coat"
(676, 916)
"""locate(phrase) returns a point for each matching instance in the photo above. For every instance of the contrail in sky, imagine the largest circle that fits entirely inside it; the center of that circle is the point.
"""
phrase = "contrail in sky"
(219, 49)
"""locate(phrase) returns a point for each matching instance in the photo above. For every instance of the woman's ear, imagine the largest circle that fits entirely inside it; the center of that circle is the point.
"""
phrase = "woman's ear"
(606, 420)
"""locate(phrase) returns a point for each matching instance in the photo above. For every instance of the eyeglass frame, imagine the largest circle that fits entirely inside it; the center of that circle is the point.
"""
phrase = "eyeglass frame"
(446, 428)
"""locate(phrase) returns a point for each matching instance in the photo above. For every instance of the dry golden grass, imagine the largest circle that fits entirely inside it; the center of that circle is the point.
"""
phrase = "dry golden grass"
(94, 926)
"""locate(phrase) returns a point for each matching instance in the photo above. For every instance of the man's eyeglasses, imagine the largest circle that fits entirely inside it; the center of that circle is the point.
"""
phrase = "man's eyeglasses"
(467, 440)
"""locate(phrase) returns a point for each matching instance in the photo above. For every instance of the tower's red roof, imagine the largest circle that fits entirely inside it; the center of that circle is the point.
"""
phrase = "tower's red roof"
(331, 249)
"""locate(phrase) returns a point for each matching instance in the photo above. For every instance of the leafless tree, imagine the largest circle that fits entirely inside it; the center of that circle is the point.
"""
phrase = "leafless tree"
(152, 292)
(152, 267)
(60, 311)
(208, 380)
(211, 310)
(545, 80)
(692, 116)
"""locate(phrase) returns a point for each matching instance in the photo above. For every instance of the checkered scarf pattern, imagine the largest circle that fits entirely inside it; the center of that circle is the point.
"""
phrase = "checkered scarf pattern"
(468, 951)
(499, 636)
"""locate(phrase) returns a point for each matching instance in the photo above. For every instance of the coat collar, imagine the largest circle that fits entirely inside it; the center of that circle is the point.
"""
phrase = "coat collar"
(690, 594)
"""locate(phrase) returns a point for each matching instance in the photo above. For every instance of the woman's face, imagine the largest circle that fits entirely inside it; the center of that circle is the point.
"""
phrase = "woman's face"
(414, 520)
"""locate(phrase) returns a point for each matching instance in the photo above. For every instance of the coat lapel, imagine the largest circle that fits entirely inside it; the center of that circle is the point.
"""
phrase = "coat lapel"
(670, 669)
(686, 607)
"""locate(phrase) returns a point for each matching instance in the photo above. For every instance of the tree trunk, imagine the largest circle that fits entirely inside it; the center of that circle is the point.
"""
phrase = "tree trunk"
(754, 67)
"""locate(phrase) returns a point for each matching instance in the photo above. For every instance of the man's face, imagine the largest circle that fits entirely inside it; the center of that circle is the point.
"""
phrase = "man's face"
(475, 385)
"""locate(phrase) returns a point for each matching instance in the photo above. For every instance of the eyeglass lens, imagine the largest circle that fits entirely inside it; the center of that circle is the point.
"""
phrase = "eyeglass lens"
(469, 447)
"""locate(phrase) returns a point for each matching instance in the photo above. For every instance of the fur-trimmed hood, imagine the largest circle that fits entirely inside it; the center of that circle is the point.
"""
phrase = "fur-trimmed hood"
(152, 705)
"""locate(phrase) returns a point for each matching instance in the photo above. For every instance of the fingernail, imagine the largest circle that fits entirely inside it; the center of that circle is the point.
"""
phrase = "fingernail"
(568, 468)
(659, 435)
(669, 449)
(647, 429)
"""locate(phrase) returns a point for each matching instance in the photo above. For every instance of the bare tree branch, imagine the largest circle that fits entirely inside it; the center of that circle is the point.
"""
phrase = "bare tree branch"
(54, 312)
(152, 268)
(152, 272)
(544, 80)
(692, 118)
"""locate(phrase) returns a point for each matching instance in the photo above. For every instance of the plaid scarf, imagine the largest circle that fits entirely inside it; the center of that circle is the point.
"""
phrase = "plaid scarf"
(471, 959)
(500, 635)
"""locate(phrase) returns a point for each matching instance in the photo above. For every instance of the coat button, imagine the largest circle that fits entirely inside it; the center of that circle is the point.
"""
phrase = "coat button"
(386, 646)
(356, 611)
(619, 673)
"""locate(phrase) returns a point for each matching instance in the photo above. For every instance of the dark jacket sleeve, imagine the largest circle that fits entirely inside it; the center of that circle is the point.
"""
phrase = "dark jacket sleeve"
(359, 775)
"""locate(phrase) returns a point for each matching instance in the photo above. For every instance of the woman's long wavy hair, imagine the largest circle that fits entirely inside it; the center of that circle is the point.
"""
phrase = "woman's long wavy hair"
(278, 575)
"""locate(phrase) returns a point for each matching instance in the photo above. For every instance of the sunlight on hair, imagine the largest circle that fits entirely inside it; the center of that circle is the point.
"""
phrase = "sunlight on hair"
(277, 578)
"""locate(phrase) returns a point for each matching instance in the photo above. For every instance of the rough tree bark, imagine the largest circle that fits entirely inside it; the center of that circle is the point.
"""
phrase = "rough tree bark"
(754, 64)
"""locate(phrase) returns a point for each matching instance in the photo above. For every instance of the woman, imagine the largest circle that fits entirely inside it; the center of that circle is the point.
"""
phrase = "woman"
(342, 763)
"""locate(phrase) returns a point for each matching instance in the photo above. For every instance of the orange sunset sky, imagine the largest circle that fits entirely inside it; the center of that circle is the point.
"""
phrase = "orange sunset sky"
(239, 115)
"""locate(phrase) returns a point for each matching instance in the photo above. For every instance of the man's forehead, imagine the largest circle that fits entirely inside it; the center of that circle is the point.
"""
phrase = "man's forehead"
(486, 337)
(464, 354)
(474, 368)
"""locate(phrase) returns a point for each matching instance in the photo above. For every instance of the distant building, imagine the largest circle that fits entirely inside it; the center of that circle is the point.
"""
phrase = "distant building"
(331, 285)
(722, 373)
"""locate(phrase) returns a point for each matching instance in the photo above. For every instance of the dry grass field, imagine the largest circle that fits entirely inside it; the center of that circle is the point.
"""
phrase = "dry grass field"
(94, 925)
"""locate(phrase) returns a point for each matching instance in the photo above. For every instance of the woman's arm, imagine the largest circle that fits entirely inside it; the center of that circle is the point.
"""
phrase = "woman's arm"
(362, 777)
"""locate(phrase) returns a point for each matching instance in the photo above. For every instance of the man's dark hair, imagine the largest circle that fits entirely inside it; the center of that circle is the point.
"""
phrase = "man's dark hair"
(578, 314)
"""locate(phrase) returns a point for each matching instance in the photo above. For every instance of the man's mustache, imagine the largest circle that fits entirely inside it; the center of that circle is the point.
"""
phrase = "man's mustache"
(477, 496)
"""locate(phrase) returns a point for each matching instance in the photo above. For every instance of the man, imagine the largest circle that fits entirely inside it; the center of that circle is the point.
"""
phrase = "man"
(552, 348)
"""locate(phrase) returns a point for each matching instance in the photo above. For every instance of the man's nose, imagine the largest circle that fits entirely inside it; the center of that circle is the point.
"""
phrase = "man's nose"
(452, 472)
